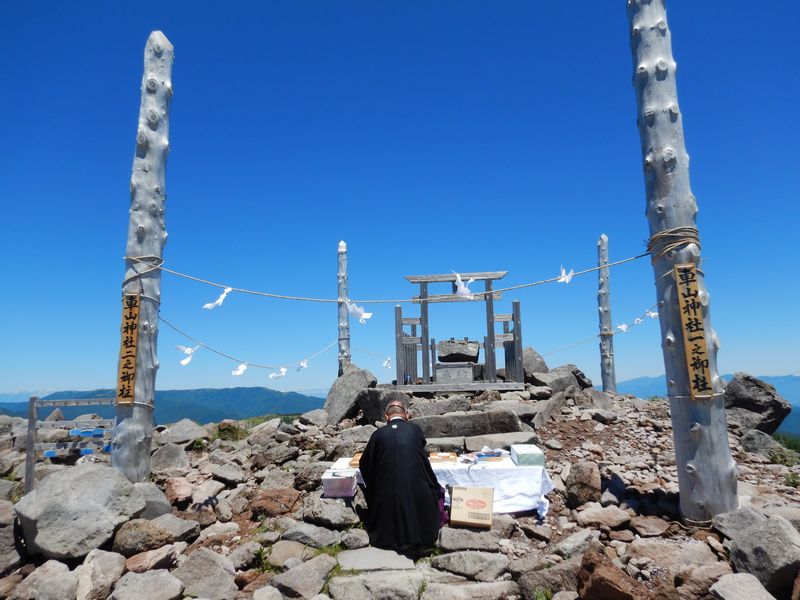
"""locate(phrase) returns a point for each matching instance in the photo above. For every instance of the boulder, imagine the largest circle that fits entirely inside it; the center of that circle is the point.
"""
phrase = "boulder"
(649, 526)
(306, 579)
(559, 577)
(77, 510)
(547, 410)
(276, 455)
(341, 402)
(453, 540)
(140, 535)
(328, 512)
(153, 585)
(610, 516)
(372, 559)
(498, 590)
(500, 440)
(599, 579)
(481, 566)
(373, 401)
(184, 431)
(390, 585)
(274, 502)
(155, 502)
(730, 522)
(422, 407)
(751, 394)
(583, 484)
(769, 550)
(98, 574)
(9, 555)
(739, 586)
(318, 417)
(670, 555)
(264, 433)
(52, 581)
(468, 423)
(557, 380)
(169, 458)
(160, 558)
(576, 544)
(311, 535)
(354, 538)
(245, 556)
(229, 474)
(283, 550)
(309, 477)
(180, 530)
(532, 362)
(178, 490)
(695, 581)
(206, 574)
(765, 445)
(452, 350)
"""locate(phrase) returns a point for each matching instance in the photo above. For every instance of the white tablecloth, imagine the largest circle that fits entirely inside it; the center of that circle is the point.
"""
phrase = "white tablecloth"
(516, 488)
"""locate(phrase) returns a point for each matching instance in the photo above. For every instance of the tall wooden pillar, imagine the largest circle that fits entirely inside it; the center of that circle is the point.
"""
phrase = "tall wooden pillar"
(607, 371)
(344, 315)
(491, 374)
(423, 311)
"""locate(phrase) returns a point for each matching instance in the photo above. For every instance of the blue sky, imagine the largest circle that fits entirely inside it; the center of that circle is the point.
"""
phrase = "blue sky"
(431, 137)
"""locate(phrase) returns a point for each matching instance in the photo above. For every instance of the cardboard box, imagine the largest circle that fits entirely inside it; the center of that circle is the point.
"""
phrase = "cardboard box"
(339, 483)
(471, 506)
(527, 455)
(440, 457)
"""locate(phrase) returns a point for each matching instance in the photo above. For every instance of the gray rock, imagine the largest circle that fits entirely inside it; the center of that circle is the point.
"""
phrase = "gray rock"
(354, 538)
(500, 440)
(328, 512)
(318, 417)
(610, 516)
(267, 593)
(140, 535)
(206, 574)
(184, 431)
(218, 530)
(790, 512)
(373, 401)
(7, 488)
(760, 443)
(749, 393)
(311, 535)
(277, 455)
(180, 530)
(559, 577)
(452, 350)
(359, 434)
(770, 551)
(739, 586)
(499, 590)
(98, 574)
(452, 540)
(283, 550)
(229, 474)
(153, 585)
(372, 559)
(583, 484)
(671, 555)
(341, 402)
(264, 433)
(576, 544)
(160, 558)
(557, 380)
(275, 479)
(730, 522)
(389, 585)
(52, 581)
(9, 556)
(245, 556)
(468, 424)
(548, 410)
(308, 478)
(603, 416)
(565, 596)
(156, 503)
(446, 444)
(306, 579)
(532, 362)
(422, 407)
(60, 520)
(599, 399)
(169, 458)
(481, 566)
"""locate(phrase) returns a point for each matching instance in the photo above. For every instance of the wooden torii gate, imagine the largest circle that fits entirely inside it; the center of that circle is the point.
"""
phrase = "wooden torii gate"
(407, 346)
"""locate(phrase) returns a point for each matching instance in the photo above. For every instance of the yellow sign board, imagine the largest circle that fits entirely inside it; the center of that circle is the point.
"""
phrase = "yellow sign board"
(694, 333)
(126, 375)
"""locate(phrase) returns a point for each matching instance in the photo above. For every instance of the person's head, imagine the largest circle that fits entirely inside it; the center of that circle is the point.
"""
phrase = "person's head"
(396, 408)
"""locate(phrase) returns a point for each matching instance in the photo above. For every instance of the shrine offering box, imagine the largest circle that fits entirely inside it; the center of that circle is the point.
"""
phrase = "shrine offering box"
(527, 455)
(471, 506)
(440, 457)
(339, 483)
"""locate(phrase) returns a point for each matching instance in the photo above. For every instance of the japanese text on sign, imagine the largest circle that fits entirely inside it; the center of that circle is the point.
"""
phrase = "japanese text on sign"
(126, 375)
(694, 334)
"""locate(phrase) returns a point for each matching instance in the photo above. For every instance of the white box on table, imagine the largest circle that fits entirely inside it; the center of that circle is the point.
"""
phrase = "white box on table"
(339, 483)
(527, 455)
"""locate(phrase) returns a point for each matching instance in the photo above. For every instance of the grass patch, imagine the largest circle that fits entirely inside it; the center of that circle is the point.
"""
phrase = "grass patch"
(792, 480)
(262, 564)
(788, 440)
(253, 421)
(232, 433)
(541, 594)
(331, 550)
(784, 456)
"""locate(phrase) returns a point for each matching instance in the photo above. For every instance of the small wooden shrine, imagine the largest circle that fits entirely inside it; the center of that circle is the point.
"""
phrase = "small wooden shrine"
(416, 346)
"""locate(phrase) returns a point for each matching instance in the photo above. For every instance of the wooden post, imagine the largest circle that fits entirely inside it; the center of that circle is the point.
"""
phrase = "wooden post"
(706, 472)
(433, 360)
(399, 349)
(491, 374)
(344, 316)
(146, 238)
(30, 445)
(423, 310)
(607, 371)
(516, 315)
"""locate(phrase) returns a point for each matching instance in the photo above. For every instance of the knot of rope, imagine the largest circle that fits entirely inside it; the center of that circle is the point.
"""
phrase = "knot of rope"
(671, 239)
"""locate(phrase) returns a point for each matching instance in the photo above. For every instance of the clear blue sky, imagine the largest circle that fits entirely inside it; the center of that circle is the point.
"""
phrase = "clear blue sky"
(429, 136)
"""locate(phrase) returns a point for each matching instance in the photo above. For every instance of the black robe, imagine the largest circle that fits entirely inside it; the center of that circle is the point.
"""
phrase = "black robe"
(401, 489)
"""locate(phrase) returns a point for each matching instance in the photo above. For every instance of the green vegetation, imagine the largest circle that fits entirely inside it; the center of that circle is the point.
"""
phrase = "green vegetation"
(231, 432)
(331, 550)
(788, 440)
(253, 421)
(262, 562)
(792, 480)
(542, 595)
(784, 456)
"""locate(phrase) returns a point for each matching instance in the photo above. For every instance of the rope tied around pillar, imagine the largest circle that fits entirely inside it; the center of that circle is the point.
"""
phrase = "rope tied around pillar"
(669, 240)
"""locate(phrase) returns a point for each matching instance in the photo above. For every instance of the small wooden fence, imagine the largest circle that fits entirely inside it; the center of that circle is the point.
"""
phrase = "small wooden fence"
(95, 434)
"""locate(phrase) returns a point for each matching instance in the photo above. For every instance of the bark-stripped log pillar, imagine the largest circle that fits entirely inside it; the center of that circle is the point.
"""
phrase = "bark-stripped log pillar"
(607, 372)
(344, 315)
(706, 471)
(146, 239)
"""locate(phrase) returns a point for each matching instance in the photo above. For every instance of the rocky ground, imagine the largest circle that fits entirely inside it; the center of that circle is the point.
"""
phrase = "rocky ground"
(235, 510)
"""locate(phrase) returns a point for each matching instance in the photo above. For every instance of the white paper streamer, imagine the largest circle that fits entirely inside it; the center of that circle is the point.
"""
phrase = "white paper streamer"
(189, 352)
(279, 373)
(623, 328)
(220, 300)
(303, 364)
(357, 312)
(462, 289)
(638, 321)
(388, 362)
(240, 369)
(565, 277)
(652, 314)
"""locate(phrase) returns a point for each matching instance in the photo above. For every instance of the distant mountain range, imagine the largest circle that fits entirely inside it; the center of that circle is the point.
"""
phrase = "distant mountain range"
(202, 405)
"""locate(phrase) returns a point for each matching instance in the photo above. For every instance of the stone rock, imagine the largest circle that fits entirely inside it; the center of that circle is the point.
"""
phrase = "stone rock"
(306, 579)
(790, 512)
(565, 596)
(421, 407)
(558, 380)
(61, 520)
(549, 410)
(277, 455)
(273, 479)
(532, 362)
(583, 381)
(228, 474)
(394, 585)
(180, 530)
(609, 516)
(452, 540)
(155, 502)
(245, 556)
(604, 416)
(153, 585)
(184, 431)
(308, 478)
(694, 582)
(311, 535)
(576, 544)
(354, 538)
(51, 581)
(140, 535)
(98, 574)
(264, 433)
(469, 423)
(373, 401)
(583, 484)
(649, 526)
(499, 590)
(452, 350)
(169, 458)
(359, 434)
(267, 593)
(206, 492)
(7, 488)
(770, 551)
(446, 444)
(178, 490)
(481, 566)
(599, 579)
(559, 577)
(283, 550)
(539, 392)
(341, 402)
(318, 417)
(328, 512)
(218, 530)
(372, 559)
(739, 586)
(8, 583)
(160, 558)
(599, 399)
(670, 555)
(751, 394)
(500, 440)
(274, 502)
(9, 555)
(206, 574)
(730, 522)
